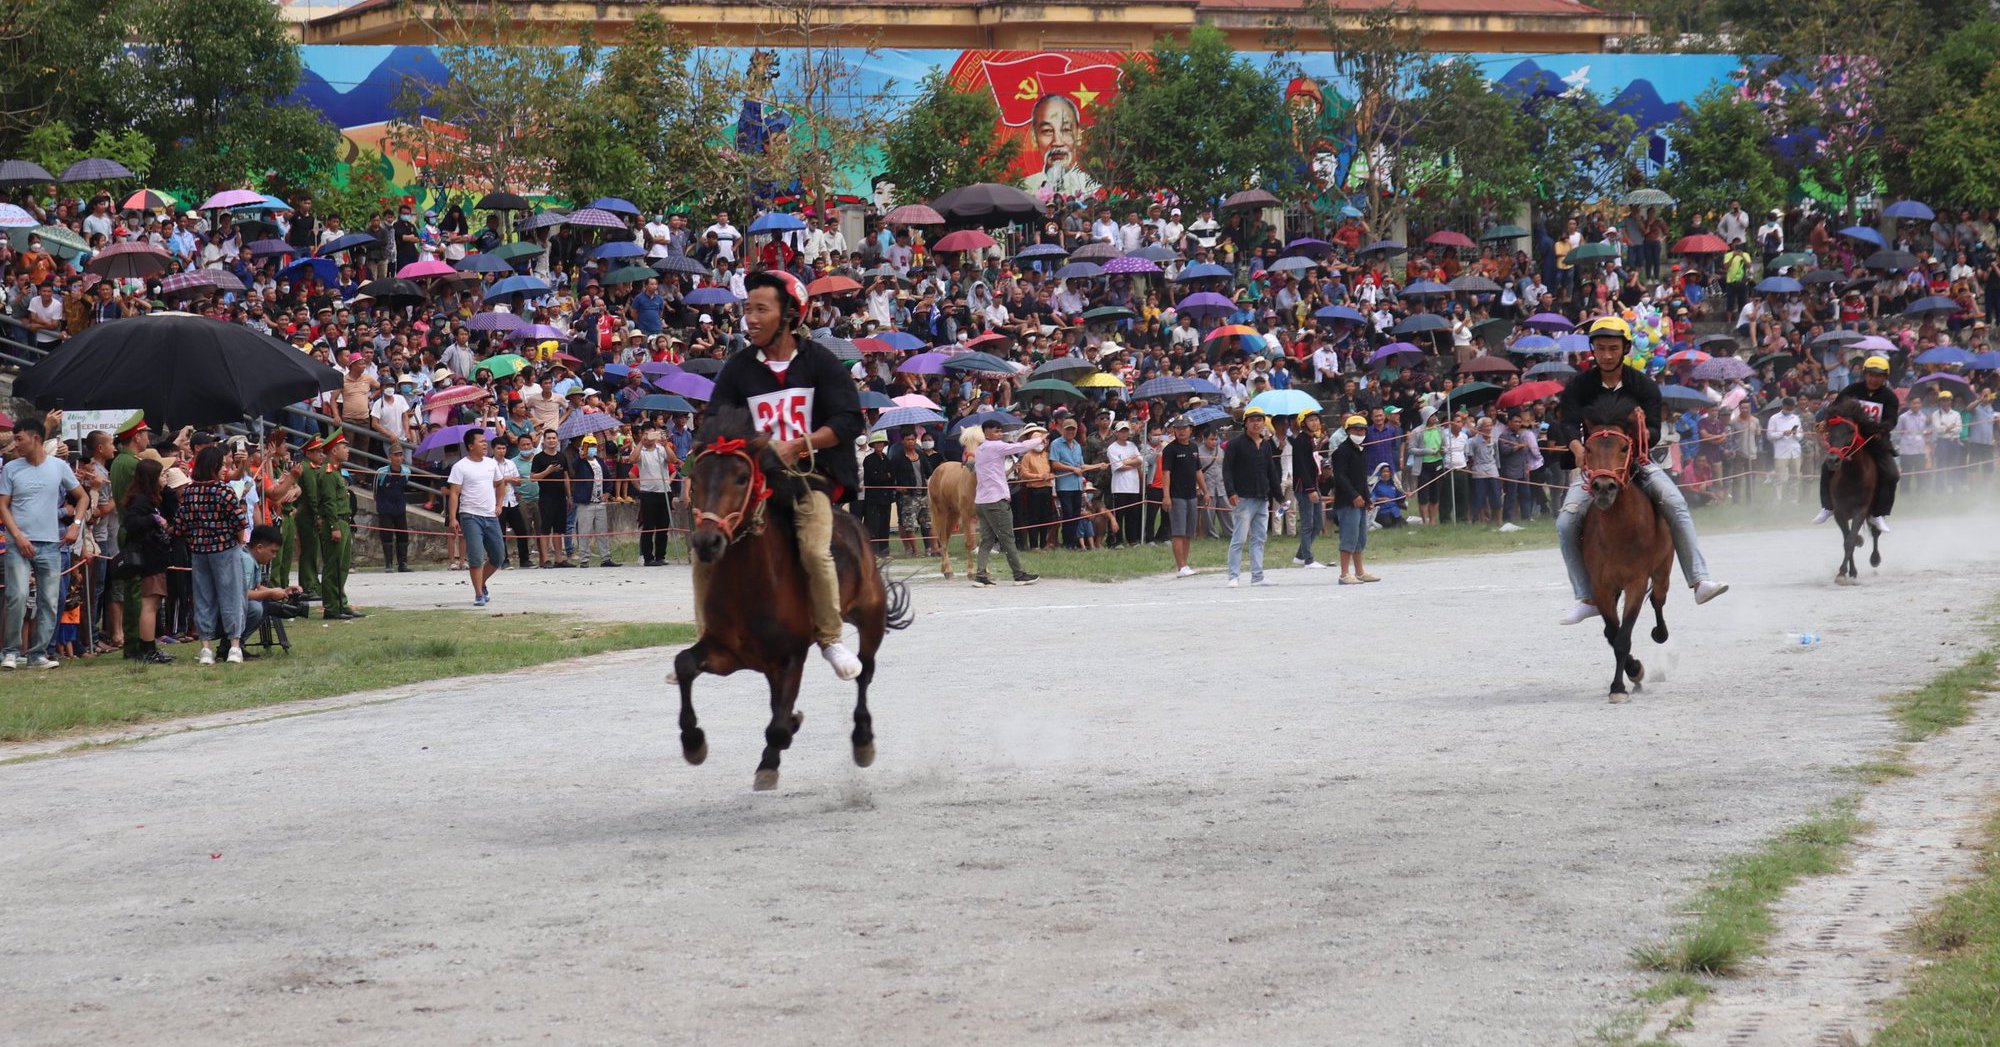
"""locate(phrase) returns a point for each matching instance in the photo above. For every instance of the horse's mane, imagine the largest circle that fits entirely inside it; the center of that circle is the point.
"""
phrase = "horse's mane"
(734, 423)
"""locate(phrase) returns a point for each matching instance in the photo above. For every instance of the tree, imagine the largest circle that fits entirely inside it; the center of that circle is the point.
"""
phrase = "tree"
(1466, 156)
(356, 190)
(1192, 117)
(669, 105)
(817, 117)
(1582, 152)
(1382, 56)
(1721, 152)
(946, 138)
(59, 62)
(53, 145)
(1960, 156)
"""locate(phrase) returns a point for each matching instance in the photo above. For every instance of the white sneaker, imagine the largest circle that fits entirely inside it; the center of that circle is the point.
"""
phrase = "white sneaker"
(44, 662)
(1706, 591)
(845, 665)
(1296, 562)
(235, 656)
(206, 657)
(1824, 516)
(1232, 583)
(10, 662)
(1582, 612)
(1315, 566)
(1880, 523)
(1185, 572)
(1261, 582)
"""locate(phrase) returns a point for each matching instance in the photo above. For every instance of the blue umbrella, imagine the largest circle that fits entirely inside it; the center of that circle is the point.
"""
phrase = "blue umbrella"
(898, 416)
(1865, 234)
(1202, 271)
(1931, 305)
(1292, 264)
(1420, 323)
(1946, 354)
(1167, 385)
(615, 205)
(874, 401)
(1043, 251)
(1425, 289)
(1285, 402)
(618, 371)
(269, 248)
(1205, 303)
(1080, 271)
(667, 402)
(1205, 415)
(711, 296)
(617, 249)
(984, 362)
(1909, 209)
(1156, 253)
(1985, 362)
(484, 263)
(322, 269)
(1551, 369)
(1204, 387)
(1534, 344)
(581, 424)
(1685, 396)
(1573, 343)
(1339, 312)
(901, 341)
(1778, 285)
(776, 222)
(980, 418)
(514, 285)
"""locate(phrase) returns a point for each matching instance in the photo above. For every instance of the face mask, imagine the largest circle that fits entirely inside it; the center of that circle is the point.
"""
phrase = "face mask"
(926, 444)
(592, 452)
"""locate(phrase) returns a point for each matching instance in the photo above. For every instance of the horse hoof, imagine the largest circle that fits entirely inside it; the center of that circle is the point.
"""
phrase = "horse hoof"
(1620, 697)
(1637, 672)
(696, 755)
(765, 781)
(798, 720)
(694, 746)
(864, 755)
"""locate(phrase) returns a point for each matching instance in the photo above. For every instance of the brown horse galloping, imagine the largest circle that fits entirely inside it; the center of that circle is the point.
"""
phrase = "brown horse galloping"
(756, 611)
(1852, 488)
(1627, 547)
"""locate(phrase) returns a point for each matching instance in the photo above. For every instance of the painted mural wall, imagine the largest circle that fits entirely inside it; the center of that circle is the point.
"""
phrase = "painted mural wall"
(1049, 100)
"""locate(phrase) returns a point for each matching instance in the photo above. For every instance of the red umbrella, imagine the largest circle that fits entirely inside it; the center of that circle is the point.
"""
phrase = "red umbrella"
(873, 345)
(1700, 243)
(1447, 238)
(963, 240)
(831, 285)
(1529, 392)
(913, 214)
(1487, 365)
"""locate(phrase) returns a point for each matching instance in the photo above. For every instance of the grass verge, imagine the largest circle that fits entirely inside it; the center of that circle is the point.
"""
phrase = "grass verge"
(1951, 1002)
(386, 649)
(1945, 702)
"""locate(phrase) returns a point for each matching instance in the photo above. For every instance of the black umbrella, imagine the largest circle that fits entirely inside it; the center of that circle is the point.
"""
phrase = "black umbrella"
(393, 291)
(96, 169)
(1821, 276)
(23, 172)
(986, 203)
(1891, 260)
(179, 368)
(501, 201)
(1250, 198)
(702, 365)
(676, 262)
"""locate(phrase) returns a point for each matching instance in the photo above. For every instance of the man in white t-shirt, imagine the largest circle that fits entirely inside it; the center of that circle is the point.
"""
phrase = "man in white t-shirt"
(45, 315)
(659, 237)
(474, 510)
(726, 235)
(1126, 481)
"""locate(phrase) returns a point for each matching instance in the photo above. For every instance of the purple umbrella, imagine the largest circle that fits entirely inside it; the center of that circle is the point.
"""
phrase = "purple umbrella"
(231, 198)
(1549, 322)
(269, 248)
(1130, 264)
(923, 363)
(1573, 343)
(502, 322)
(537, 333)
(1944, 378)
(1722, 369)
(1206, 303)
(1394, 351)
(446, 440)
(692, 386)
(582, 424)
(657, 369)
(595, 217)
(1309, 247)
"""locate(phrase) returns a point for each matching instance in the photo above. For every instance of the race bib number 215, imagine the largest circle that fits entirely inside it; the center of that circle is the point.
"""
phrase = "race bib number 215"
(785, 414)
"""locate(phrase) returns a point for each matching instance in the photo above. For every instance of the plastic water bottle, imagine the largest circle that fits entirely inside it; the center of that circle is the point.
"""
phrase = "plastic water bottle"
(1802, 639)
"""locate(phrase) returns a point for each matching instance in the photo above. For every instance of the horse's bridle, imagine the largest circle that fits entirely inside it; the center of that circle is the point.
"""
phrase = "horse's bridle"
(755, 494)
(1633, 449)
(1849, 449)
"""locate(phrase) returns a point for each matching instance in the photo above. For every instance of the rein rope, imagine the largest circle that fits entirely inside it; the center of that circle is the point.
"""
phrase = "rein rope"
(1633, 450)
(1854, 444)
(756, 494)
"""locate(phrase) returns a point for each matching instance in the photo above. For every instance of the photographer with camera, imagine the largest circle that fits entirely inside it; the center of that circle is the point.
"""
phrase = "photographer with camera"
(260, 597)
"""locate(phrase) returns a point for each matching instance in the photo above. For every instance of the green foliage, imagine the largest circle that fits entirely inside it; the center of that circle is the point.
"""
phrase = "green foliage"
(59, 62)
(1383, 57)
(1721, 153)
(1579, 156)
(661, 107)
(1465, 152)
(355, 190)
(947, 138)
(1193, 117)
(53, 146)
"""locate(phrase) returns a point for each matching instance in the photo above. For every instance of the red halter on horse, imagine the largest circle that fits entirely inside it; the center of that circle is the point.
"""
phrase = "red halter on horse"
(1627, 548)
(755, 494)
(1854, 443)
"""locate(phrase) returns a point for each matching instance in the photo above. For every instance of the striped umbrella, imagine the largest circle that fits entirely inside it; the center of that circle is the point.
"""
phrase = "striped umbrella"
(96, 169)
(595, 218)
(899, 416)
(495, 322)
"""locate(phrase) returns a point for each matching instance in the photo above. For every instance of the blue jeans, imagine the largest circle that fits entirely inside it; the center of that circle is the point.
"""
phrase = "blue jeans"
(218, 595)
(1666, 497)
(1312, 520)
(1069, 509)
(1353, 522)
(47, 565)
(483, 542)
(1250, 520)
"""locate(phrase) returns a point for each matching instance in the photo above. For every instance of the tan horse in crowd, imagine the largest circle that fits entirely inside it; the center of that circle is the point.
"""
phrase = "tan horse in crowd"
(952, 487)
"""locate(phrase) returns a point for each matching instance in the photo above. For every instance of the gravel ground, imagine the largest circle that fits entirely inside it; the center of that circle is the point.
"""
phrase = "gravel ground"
(1399, 814)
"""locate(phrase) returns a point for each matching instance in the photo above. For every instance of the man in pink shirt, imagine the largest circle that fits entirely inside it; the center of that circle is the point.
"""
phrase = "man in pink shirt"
(990, 498)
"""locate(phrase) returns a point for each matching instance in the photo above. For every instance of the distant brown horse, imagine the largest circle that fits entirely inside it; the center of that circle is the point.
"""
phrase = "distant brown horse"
(952, 488)
(1626, 544)
(756, 612)
(1852, 488)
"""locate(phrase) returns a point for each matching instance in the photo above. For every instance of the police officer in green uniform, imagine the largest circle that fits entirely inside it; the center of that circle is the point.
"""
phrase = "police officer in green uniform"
(333, 517)
(305, 525)
(131, 438)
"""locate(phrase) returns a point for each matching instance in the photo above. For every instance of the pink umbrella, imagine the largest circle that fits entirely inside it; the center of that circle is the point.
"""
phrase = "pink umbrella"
(231, 198)
(457, 394)
(913, 214)
(916, 400)
(963, 240)
(434, 267)
(1447, 238)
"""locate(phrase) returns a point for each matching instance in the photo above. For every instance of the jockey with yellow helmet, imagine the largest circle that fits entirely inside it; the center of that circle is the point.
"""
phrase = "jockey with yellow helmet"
(1882, 407)
(1614, 388)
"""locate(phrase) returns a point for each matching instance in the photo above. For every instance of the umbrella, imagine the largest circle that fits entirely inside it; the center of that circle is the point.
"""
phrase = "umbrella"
(832, 285)
(631, 274)
(986, 203)
(667, 402)
(1700, 243)
(1250, 198)
(1837, 337)
(96, 169)
(841, 348)
(1447, 238)
(57, 239)
(1589, 253)
(495, 322)
(1909, 209)
(676, 262)
(222, 280)
(1503, 232)
(1206, 388)
(1052, 389)
(1384, 247)
(1820, 276)
(1043, 251)
(913, 214)
(457, 394)
(1474, 393)
(485, 263)
(1549, 322)
(688, 384)
(178, 368)
(446, 440)
(1985, 362)
(1550, 369)
(1487, 365)
(346, 243)
(386, 290)
(504, 365)
(424, 269)
(518, 250)
(976, 361)
(1205, 415)
(617, 249)
(1945, 355)
(1722, 369)
(536, 333)
(264, 202)
(963, 240)
(776, 222)
(1790, 260)
(1108, 312)
(1931, 305)
(1688, 358)
(616, 205)
(916, 400)
(231, 198)
(531, 286)
(1398, 354)
(1228, 330)
(1472, 283)
(1285, 402)
(322, 269)
(702, 365)
(1872, 344)
(923, 363)
(1309, 246)
(269, 248)
(149, 200)
(1156, 253)
(500, 200)
(1062, 365)
(130, 261)
(1685, 396)
(980, 418)
(1781, 359)
(1094, 252)
(1725, 340)
(874, 401)
(1928, 379)
(254, 227)
(1864, 234)
(1098, 381)
(901, 416)
(656, 369)
(1420, 323)
(178, 282)
(12, 217)
(1168, 385)
(1778, 285)
(1890, 260)
(1287, 264)
(581, 424)
(1339, 312)
(1202, 271)
(901, 341)
(1529, 392)
(873, 345)
(1647, 198)
(1205, 303)
(711, 296)
(1425, 289)
(1534, 345)
(1136, 264)
(23, 172)
(542, 221)
(596, 218)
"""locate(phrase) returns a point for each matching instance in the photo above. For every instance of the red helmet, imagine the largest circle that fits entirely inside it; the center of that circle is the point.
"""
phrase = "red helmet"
(788, 286)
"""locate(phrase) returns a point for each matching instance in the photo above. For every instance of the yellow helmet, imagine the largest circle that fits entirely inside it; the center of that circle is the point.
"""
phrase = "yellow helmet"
(1303, 415)
(1354, 420)
(1876, 363)
(1253, 412)
(1610, 325)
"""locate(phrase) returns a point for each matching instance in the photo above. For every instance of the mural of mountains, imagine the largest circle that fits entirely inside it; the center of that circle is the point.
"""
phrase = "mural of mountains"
(351, 90)
(1644, 105)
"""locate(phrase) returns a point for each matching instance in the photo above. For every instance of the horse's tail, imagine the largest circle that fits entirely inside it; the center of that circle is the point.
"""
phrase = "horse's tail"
(900, 613)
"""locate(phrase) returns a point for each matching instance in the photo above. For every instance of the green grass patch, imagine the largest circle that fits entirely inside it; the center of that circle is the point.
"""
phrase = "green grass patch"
(1735, 907)
(1875, 772)
(1955, 1000)
(1946, 701)
(386, 649)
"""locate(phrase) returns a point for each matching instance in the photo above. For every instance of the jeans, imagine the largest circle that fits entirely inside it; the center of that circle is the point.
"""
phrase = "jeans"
(1666, 497)
(996, 527)
(218, 595)
(1249, 521)
(47, 565)
(593, 519)
(483, 543)
(1353, 521)
(1516, 498)
(1069, 509)
(1312, 520)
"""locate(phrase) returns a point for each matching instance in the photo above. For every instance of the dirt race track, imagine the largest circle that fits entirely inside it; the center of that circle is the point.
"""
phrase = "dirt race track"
(1159, 812)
